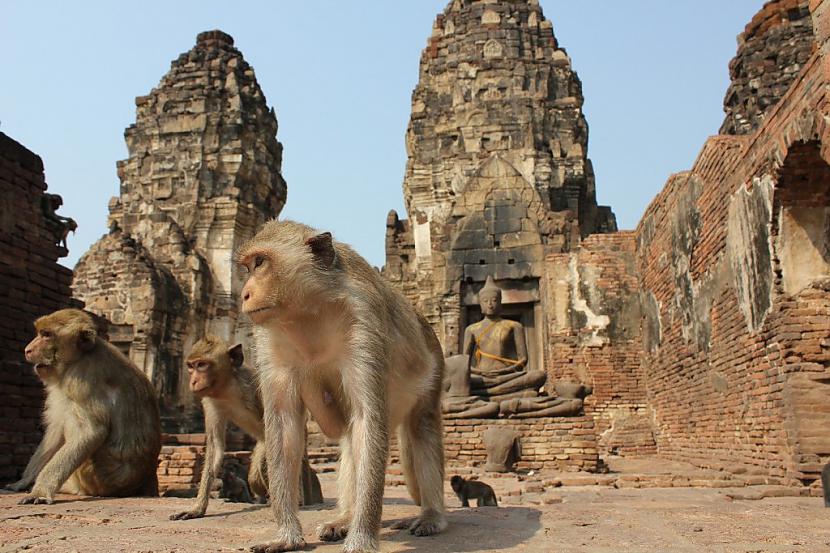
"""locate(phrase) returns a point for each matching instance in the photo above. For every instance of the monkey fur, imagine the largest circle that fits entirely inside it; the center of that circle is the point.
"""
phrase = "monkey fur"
(473, 489)
(331, 335)
(103, 434)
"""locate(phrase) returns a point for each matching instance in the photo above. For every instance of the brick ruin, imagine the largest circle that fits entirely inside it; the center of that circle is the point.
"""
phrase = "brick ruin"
(32, 283)
(203, 173)
(704, 333)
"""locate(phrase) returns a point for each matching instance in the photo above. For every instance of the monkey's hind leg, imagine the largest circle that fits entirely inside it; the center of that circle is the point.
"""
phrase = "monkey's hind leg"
(422, 432)
(825, 484)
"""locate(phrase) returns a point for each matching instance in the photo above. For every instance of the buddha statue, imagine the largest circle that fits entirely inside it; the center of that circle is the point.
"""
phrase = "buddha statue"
(491, 376)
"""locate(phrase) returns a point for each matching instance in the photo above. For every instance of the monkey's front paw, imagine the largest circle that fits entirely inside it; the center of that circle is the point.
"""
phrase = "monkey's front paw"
(187, 515)
(33, 499)
(279, 546)
(19, 486)
(428, 525)
(333, 531)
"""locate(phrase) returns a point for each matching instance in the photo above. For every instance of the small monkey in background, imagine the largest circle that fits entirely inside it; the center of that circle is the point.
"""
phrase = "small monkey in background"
(331, 335)
(229, 392)
(234, 488)
(102, 420)
(473, 489)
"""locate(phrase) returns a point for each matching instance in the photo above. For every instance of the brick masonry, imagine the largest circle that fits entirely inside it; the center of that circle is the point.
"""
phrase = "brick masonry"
(32, 283)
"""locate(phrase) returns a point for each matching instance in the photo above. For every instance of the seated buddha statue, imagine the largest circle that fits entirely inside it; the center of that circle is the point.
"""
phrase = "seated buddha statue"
(495, 379)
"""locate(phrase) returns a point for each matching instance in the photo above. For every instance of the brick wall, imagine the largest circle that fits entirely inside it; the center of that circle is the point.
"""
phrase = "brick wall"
(731, 258)
(562, 443)
(31, 284)
(595, 337)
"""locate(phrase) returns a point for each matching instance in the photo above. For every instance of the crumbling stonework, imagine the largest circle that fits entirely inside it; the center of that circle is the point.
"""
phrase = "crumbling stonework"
(497, 173)
(498, 183)
(704, 333)
(772, 50)
(203, 173)
(32, 283)
(734, 256)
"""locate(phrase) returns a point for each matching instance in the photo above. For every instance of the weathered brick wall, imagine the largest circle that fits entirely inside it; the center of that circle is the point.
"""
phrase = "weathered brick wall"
(771, 52)
(595, 337)
(732, 260)
(31, 284)
(561, 443)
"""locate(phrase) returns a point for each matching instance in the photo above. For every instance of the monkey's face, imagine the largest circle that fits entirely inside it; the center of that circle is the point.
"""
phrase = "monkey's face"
(289, 270)
(264, 288)
(456, 482)
(203, 376)
(62, 338)
(210, 366)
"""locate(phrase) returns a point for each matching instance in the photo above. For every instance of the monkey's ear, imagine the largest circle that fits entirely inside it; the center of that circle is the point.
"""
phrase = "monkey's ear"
(236, 355)
(322, 248)
(86, 339)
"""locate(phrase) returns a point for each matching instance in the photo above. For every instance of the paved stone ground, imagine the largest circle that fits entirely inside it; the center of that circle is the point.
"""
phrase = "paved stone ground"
(591, 519)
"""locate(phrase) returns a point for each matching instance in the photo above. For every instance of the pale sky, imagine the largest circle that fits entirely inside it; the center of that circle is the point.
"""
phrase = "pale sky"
(340, 75)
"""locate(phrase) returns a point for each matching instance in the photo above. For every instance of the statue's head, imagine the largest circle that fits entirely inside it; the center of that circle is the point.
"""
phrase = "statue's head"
(489, 298)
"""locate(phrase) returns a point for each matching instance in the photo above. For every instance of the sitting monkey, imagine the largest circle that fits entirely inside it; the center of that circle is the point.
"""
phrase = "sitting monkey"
(234, 488)
(229, 392)
(473, 489)
(102, 420)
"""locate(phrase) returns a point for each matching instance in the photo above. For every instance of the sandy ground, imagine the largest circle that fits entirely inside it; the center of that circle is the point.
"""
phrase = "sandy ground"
(595, 519)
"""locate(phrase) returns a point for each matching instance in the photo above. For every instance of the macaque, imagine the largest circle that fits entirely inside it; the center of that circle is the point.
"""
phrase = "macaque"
(102, 433)
(229, 392)
(331, 335)
(473, 489)
(234, 488)
(825, 484)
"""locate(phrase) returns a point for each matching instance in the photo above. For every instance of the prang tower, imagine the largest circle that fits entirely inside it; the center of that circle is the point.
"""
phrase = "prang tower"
(203, 173)
(497, 175)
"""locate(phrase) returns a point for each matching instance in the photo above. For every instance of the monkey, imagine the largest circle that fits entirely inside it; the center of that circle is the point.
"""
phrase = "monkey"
(234, 488)
(102, 435)
(473, 489)
(825, 484)
(331, 335)
(228, 389)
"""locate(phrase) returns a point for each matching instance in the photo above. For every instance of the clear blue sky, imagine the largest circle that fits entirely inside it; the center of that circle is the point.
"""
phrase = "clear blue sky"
(339, 75)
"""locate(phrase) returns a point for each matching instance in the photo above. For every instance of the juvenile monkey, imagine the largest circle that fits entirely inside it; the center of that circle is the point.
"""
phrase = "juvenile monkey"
(473, 489)
(234, 488)
(229, 392)
(102, 420)
(333, 336)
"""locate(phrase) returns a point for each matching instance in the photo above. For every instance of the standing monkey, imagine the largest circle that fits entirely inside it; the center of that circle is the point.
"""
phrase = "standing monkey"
(102, 420)
(229, 392)
(333, 336)
(473, 489)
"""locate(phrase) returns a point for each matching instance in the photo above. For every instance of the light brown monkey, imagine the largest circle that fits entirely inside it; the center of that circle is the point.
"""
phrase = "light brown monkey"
(333, 336)
(229, 392)
(473, 489)
(102, 420)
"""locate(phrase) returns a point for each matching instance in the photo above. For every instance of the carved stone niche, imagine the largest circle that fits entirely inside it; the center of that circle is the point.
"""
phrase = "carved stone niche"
(503, 448)
(520, 302)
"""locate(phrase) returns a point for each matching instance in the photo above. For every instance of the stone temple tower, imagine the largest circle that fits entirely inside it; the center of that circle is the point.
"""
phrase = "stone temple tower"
(497, 175)
(203, 173)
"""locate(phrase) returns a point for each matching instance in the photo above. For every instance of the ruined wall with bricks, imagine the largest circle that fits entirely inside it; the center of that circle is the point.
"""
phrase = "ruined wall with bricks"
(733, 263)
(32, 283)
(772, 50)
(595, 337)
